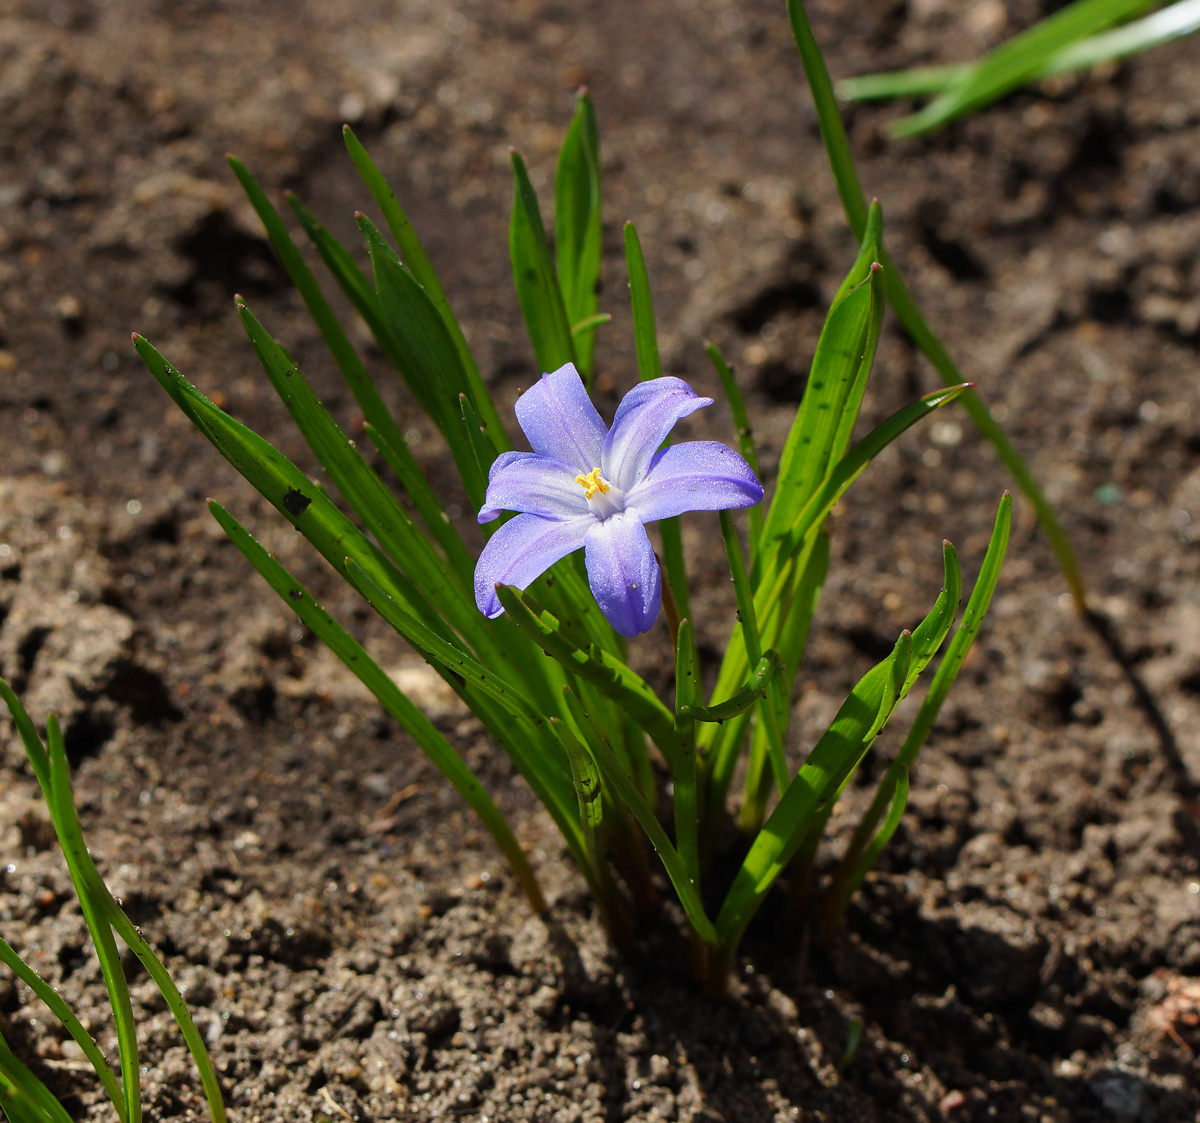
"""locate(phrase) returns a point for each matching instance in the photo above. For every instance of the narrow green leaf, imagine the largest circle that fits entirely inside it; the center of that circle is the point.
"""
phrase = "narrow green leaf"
(428, 360)
(838, 752)
(837, 148)
(620, 782)
(840, 366)
(862, 853)
(683, 758)
(834, 487)
(534, 274)
(768, 667)
(414, 256)
(577, 229)
(390, 696)
(339, 345)
(645, 334)
(48, 995)
(607, 674)
(374, 502)
(1017, 60)
(745, 436)
(1171, 22)
(23, 1097)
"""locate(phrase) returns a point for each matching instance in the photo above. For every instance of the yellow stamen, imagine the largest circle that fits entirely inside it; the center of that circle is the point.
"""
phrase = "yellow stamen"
(591, 483)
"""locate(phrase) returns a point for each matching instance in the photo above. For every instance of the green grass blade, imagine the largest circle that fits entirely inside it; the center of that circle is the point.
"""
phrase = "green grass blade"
(390, 696)
(428, 360)
(114, 919)
(535, 277)
(347, 359)
(768, 667)
(835, 756)
(23, 1097)
(414, 256)
(588, 787)
(848, 469)
(283, 485)
(1017, 60)
(70, 1022)
(1171, 22)
(524, 727)
(610, 676)
(54, 779)
(862, 853)
(577, 229)
(371, 499)
(645, 336)
(623, 784)
(837, 148)
(745, 436)
(836, 381)
(683, 759)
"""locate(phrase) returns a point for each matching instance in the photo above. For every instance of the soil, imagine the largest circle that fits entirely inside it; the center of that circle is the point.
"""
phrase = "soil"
(349, 939)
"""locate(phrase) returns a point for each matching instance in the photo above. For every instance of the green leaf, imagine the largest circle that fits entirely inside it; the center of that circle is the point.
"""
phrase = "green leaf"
(623, 785)
(683, 758)
(610, 676)
(837, 148)
(836, 381)
(838, 752)
(577, 229)
(414, 256)
(862, 851)
(371, 499)
(427, 358)
(645, 335)
(390, 696)
(745, 436)
(71, 1023)
(847, 470)
(1171, 22)
(534, 274)
(23, 1097)
(1017, 60)
(756, 688)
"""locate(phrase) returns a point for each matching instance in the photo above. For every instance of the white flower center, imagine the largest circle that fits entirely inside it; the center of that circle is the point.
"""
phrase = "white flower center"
(603, 498)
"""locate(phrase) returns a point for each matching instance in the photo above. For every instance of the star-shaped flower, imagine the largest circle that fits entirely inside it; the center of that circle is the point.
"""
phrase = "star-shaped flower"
(590, 486)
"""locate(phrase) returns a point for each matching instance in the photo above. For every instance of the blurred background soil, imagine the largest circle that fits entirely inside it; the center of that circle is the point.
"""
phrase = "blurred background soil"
(350, 942)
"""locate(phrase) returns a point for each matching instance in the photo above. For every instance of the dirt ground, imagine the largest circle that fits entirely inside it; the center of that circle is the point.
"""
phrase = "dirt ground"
(350, 941)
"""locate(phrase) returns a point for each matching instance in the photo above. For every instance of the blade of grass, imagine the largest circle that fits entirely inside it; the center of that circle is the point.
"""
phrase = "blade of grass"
(390, 696)
(607, 674)
(414, 256)
(1154, 30)
(863, 851)
(535, 277)
(70, 1022)
(1017, 60)
(66, 826)
(23, 1097)
(683, 771)
(619, 781)
(745, 436)
(837, 148)
(351, 366)
(577, 228)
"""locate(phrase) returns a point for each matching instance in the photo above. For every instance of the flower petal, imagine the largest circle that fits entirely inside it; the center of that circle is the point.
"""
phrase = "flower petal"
(524, 481)
(623, 573)
(694, 476)
(644, 418)
(558, 418)
(521, 551)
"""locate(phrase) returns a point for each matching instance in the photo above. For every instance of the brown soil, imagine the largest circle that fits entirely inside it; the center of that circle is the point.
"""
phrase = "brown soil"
(348, 937)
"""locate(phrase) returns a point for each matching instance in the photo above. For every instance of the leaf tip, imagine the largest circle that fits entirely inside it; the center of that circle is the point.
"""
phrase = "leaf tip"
(135, 337)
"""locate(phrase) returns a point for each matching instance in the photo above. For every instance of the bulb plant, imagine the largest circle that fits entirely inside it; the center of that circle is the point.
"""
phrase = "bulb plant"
(532, 636)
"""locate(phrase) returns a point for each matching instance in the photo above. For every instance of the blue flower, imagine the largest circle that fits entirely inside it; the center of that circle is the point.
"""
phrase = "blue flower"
(590, 486)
